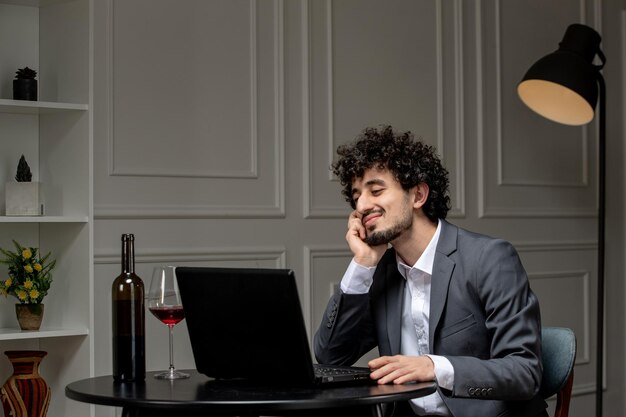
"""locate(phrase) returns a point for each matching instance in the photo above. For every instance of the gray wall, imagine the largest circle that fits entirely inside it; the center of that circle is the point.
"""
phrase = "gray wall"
(216, 121)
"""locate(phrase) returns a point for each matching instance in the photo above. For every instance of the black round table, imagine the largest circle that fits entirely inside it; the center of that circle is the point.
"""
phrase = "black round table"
(205, 396)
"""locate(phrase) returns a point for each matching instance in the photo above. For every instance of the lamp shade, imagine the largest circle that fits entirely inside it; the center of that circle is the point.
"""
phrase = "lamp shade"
(562, 86)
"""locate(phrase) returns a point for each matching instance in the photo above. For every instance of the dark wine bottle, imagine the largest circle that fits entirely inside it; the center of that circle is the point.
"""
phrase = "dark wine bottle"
(129, 359)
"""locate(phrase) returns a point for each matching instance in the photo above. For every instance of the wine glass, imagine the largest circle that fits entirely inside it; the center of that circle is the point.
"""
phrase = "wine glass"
(164, 302)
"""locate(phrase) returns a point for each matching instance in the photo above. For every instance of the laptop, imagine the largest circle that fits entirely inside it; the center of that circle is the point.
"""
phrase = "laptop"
(247, 324)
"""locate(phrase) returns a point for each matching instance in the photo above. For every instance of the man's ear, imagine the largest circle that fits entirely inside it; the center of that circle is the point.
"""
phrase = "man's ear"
(420, 194)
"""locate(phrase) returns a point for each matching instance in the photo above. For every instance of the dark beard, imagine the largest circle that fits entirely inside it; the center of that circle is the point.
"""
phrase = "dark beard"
(385, 237)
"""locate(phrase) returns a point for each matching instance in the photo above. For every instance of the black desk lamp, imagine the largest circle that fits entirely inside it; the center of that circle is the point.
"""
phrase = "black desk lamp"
(563, 87)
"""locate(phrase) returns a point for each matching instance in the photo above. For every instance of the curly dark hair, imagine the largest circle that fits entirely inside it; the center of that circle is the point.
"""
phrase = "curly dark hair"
(410, 161)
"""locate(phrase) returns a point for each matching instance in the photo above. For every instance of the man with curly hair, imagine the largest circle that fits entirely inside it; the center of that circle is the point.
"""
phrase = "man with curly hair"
(440, 302)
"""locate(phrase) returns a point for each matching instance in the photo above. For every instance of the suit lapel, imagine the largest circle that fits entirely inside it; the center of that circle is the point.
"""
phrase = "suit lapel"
(442, 272)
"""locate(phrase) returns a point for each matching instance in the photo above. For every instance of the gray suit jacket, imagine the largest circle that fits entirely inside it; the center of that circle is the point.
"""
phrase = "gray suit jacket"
(483, 317)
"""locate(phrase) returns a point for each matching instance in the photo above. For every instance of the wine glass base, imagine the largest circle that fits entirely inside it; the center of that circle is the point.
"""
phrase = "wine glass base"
(171, 374)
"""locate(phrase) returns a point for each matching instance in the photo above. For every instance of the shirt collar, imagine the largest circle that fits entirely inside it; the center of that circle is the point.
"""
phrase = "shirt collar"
(426, 261)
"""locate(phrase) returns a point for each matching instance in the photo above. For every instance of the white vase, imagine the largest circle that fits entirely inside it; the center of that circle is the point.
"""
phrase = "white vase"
(23, 199)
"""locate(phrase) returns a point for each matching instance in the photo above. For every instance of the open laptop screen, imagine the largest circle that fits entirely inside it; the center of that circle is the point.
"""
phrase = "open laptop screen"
(246, 323)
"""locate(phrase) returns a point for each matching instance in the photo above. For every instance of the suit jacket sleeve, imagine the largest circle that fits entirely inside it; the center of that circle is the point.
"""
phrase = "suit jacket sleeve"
(346, 331)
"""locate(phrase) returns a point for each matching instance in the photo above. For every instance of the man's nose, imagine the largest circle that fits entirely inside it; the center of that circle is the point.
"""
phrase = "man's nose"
(364, 204)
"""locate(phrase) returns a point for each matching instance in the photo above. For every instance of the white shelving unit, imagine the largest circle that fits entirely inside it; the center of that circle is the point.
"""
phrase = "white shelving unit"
(55, 134)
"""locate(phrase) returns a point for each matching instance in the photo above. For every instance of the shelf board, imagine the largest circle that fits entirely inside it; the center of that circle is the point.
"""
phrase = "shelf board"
(30, 3)
(38, 107)
(44, 332)
(33, 3)
(44, 219)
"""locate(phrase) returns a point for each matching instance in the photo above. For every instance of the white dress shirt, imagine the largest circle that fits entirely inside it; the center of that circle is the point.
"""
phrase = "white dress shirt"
(415, 314)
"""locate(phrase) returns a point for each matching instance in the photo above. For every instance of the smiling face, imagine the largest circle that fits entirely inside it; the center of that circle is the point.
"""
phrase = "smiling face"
(386, 209)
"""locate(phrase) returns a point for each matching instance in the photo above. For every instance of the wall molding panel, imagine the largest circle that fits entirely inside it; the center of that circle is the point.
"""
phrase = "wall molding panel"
(582, 279)
(172, 255)
(137, 211)
(583, 362)
(319, 127)
(117, 169)
(256, 163)
(556, 246)
(458, 200)
(557, 192)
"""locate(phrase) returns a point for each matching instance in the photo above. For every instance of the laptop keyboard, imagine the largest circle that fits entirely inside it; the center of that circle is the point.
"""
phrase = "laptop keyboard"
(330, 370)
(334, 374)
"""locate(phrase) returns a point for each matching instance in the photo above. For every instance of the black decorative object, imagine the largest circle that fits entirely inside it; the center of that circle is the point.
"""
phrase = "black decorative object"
(25, 85)
(23, 171)
(23, 196)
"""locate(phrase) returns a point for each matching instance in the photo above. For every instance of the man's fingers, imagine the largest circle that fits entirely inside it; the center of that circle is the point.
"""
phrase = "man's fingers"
(401, 369)
(378, 362)
(392, 372)
(355, 227)
(382, 367)
(354, 216)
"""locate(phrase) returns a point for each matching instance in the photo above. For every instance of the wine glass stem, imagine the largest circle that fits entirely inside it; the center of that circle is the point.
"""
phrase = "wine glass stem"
(171, 326)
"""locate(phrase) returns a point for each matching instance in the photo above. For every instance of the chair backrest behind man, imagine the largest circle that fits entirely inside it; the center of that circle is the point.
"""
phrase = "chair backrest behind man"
(558, 346)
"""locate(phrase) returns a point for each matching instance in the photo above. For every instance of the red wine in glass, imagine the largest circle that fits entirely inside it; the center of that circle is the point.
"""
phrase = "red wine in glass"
(170, 315)
(164, 302)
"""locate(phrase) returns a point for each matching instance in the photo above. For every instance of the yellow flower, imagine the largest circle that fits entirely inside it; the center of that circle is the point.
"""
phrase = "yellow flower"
(28, 269)
(26, 254)
(28, 284)
(37, 267)
(33, 294)
(8, 282)
(22, 295)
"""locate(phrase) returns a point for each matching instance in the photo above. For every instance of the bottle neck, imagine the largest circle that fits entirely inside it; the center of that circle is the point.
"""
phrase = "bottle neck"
(128, 254)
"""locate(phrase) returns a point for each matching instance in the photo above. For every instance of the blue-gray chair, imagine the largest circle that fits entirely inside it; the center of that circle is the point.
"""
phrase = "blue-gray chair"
(558, 346)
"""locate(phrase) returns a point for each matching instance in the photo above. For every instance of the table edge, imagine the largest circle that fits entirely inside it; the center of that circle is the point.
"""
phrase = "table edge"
(303, 404)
